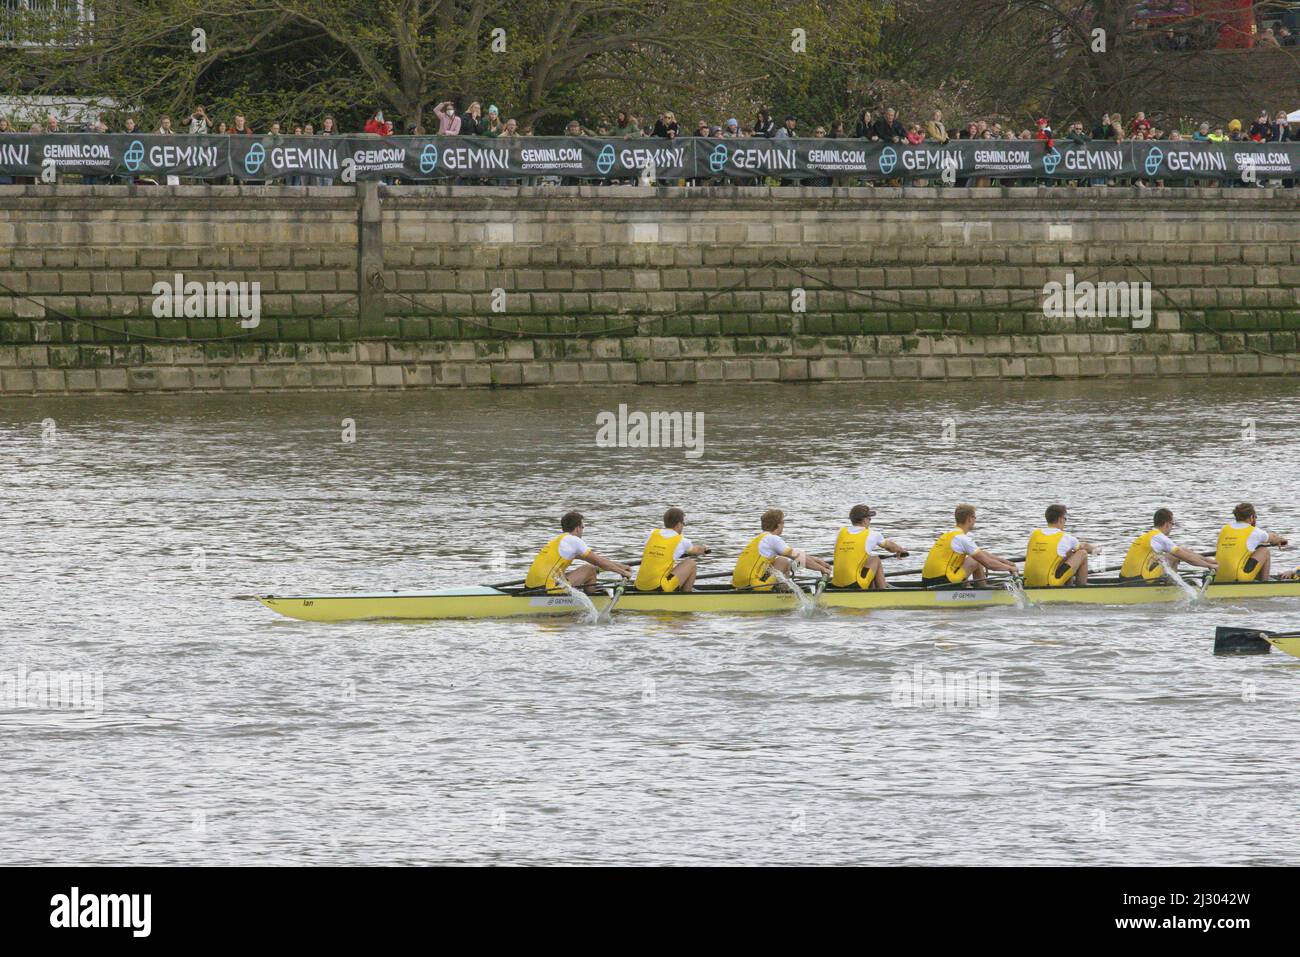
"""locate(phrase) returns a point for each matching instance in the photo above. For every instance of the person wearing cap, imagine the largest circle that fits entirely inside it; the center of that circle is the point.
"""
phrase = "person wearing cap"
(732, 130)
(786, 132)
(491, 125)
(1234, 131)
(855, 565)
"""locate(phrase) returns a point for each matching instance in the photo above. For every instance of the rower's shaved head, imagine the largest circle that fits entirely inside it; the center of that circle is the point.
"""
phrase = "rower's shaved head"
(772, 519)
(674, 517)
(571, 520)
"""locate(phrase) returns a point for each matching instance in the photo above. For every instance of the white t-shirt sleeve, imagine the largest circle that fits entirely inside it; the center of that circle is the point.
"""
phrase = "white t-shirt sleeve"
(874, 538)
(772, 546)
(571, 547)
(964, 545)
(1162, 544)
(1257, 538)
(684, 544)
(1067, 544)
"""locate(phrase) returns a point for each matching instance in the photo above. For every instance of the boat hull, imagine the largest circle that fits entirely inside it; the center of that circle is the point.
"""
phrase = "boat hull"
(491, 603)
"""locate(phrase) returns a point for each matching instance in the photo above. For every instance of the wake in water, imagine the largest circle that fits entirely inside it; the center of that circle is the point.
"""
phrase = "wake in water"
(580, 598)
(1015, 587)
(1191, 594)
(807, 607)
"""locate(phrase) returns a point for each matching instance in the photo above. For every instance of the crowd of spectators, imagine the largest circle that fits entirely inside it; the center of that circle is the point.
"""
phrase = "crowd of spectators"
(885, 127)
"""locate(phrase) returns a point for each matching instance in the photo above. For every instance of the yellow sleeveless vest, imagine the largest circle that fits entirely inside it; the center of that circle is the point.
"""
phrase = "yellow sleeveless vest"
(850, 555)
(548, 567)
(1231, 554)
(943, 561)
(1141, 560)
(751, 568)
(657, 562)
(1041, 559)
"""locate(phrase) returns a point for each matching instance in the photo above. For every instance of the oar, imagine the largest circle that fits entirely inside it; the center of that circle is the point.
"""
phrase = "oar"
(1246, 641)
(516, 584)
(917, 571)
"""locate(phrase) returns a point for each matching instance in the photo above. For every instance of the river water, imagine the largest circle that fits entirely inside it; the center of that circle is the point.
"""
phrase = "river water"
(227, 735)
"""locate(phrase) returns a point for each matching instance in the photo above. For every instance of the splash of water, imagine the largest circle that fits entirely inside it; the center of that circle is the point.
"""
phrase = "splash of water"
(589, 613)
(1189, 593)
(1015, 587)
(806, 603)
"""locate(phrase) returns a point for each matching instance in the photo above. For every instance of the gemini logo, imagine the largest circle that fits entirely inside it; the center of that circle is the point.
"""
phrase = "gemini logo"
(718, 158)
(428, 158)
(254, 158)
(1154, 160)
(134, 155)
(605, 159)
(1051, 161)
(888, 160)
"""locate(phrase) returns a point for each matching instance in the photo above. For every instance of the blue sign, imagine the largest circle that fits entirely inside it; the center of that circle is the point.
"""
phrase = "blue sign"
(605, 159)
(1051, 161)
(888, 160)
(254, 158)
(1154, 159)
(428, 158)
(718, 158)
(134, 155)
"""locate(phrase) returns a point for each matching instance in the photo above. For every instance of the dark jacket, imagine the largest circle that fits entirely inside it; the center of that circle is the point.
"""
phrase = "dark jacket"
(888, 132)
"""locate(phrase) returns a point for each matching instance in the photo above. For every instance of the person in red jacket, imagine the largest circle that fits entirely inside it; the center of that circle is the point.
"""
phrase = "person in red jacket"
(378, 125)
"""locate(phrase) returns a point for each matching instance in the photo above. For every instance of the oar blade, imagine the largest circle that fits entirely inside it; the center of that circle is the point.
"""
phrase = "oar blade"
(1241, 641)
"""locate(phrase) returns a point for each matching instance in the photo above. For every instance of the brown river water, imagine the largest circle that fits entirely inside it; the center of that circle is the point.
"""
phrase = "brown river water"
(221, 734)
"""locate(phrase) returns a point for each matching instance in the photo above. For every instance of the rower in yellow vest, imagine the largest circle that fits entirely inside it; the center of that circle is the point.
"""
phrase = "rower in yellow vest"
(1154, 550)
(668, 562)
(955, 557)
(855, 565)
(1243, 550)
(1054, 556)
(769, 549)
(553, 561)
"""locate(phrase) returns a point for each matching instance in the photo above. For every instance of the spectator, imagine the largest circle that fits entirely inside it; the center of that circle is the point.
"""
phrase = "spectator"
(786, 132)
(1218, 136)
(624, 126)
(887, 129)
(1043, 131)
(935, 129)
(241, 126)
(862, 129)
(1140, 122)
(51, 124)
(702, 128)
(1267, 38)
(492, 125)
(199, 122)
(666, 126)
(1234, 132)
(574, 128)
(1280, 131)
(914, 135)
(732, 130)
(971, 132)
(1075, 134)
(511, 128)
(1285, 37)
(327, 127)
(764, 126)
(376, 125)
(837, 130)
(471, 123)
(1202, 133)
(129, 126)
(448, 121)
(1260, 128)
(275, 129)
(222, 128)
(165, 127)
(4, 125)
(1102, 130)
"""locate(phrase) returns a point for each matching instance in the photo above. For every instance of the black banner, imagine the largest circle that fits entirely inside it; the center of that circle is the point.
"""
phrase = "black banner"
(348, 159)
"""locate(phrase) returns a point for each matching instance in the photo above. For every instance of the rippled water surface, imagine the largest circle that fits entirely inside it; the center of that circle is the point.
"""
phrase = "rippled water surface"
(228, 735)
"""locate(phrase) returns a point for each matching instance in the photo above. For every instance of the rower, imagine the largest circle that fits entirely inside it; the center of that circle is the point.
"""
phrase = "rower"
(767, 550)
(668, 562)
(1242, 552)
(1153, 551)
(556, 556)
(854, 562)
(955, 557)
(1054, 556)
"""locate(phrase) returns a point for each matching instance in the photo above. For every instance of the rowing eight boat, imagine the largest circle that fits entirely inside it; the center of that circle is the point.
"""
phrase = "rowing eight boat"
(485, 602)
